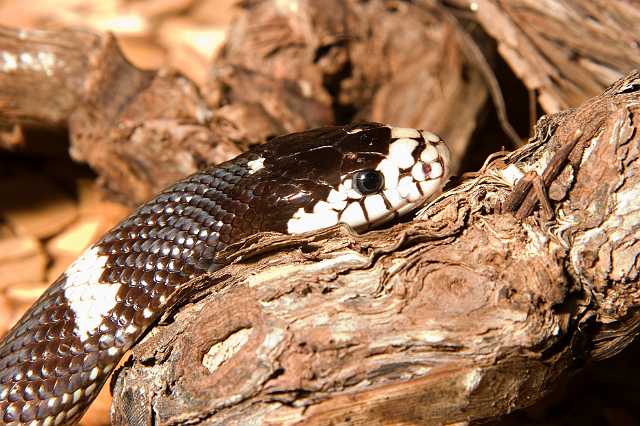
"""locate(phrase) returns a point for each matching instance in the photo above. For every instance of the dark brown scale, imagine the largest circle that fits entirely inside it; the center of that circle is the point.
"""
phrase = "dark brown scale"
(167, 234)
(122, 315)
(111, 275)
(203, 234)
(163, 258)
(120, 275)
(136, 247)
(76, 364)
(28, 413)
(133, 296)
(30, 392)
(130, 260)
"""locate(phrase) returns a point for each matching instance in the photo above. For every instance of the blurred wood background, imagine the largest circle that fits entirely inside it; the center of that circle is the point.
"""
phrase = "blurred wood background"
(52, 207)
(233, 73)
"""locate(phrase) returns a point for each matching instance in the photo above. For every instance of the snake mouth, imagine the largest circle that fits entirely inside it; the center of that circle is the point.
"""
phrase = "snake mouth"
(414, 171)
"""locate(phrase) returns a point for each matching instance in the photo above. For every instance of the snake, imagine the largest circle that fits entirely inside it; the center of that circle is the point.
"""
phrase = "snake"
(57, 357)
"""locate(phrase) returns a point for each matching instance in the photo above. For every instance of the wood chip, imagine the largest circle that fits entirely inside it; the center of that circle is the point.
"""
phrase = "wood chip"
(17, 309)
(25, 292)
(22, 259)
(160, 8)
(203, 39)
(77, 237)
(38, 208)
(5, 231)
(216, 12)
(12, 137)
(17, 248)
(89, 195)
(191, 46)
(58, 266)
(93, 203)
(143, 52)
(6, 314)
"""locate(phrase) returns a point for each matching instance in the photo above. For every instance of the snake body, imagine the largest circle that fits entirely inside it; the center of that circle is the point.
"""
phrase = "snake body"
(60, 353)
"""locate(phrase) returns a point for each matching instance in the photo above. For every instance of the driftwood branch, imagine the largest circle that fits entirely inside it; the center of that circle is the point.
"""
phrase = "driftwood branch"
(121, 119)
(280, 71)
(461, 314)
(564, 51)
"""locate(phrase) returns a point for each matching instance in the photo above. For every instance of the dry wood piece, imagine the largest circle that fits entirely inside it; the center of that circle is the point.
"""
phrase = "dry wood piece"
(393, 62)
(55, 209)
(153, 33)
(22, 259)
(424, 81)
(462, 314)
(139, 130)
(565, 50)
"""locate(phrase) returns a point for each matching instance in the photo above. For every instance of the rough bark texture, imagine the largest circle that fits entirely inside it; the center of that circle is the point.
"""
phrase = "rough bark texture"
(462, 314)
(139, 130)
(283, 69)
(393, 62)
(565, 51)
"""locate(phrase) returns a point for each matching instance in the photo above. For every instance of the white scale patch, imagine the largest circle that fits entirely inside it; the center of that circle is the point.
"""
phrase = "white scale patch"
(89, 299)
(401, 152)
(436, 171)
(394, 198)
(404, 132)
(353, 215)
(432, 186)
(255, 165)
(345, 204)
(303, 222)
(431, 137)
(429, 154)
(391, 173)
(375, 206)
(417, 171)
(337, 199)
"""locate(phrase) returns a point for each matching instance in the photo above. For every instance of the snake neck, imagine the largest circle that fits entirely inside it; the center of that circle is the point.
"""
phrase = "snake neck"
(55, 360)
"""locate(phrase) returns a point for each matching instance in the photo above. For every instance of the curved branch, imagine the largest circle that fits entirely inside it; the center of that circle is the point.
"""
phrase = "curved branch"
(462, 314)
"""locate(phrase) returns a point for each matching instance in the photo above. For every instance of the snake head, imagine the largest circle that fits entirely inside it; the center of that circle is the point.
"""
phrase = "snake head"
(360, 175)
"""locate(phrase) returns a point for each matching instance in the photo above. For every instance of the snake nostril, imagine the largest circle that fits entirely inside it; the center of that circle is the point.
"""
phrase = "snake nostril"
(426, 168)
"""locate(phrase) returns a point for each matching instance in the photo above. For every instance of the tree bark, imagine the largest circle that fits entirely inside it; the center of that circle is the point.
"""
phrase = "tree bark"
(462, 314)
(563, 51)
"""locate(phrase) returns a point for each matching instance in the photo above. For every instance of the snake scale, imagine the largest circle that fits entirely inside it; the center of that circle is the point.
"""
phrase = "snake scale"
(56, 358)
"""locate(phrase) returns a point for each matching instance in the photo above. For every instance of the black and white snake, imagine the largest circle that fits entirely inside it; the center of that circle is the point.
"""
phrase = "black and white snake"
(58, 356)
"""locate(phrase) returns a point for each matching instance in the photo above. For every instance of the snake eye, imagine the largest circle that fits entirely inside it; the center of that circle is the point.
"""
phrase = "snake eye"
(368, 181)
